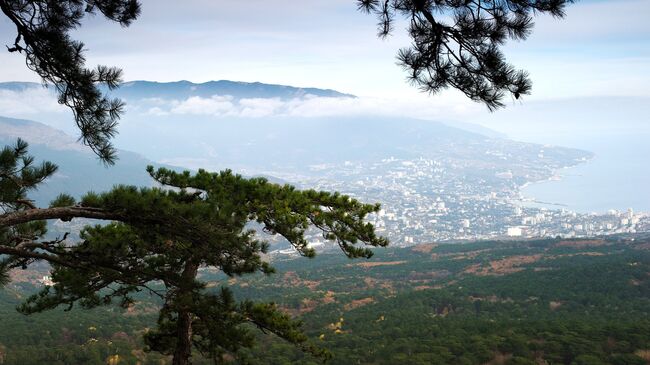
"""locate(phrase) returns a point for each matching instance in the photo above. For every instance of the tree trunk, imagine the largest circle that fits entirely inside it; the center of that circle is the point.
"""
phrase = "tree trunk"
(183, 351)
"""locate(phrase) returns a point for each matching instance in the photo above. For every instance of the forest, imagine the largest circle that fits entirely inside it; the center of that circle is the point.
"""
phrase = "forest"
(529, 302)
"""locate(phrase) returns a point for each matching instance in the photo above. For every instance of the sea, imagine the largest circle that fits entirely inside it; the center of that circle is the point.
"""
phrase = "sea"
(617, 131)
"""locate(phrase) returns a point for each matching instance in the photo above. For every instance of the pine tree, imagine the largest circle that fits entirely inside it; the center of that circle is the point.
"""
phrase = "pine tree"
(160, 237)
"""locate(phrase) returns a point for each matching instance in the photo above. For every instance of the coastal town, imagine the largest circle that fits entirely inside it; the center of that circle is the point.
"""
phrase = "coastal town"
(444, 200)
(425, 200)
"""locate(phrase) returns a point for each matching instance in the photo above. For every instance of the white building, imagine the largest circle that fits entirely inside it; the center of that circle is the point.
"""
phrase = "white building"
(514, 232)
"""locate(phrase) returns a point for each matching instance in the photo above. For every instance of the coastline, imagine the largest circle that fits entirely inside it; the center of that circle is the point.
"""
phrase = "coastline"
(556, 176)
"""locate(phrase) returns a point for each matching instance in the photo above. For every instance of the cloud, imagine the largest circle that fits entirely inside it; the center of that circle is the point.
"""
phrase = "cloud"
(155, 111)
(28, 102)
(40, 104)
(216, 105)
(596, 21)
(261, 107)
(310, 106)
(335, 46)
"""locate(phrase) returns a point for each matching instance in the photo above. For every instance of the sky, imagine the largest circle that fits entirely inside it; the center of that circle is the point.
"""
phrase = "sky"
(600, 48)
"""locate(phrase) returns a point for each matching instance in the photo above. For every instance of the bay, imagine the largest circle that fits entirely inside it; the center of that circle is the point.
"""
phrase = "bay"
(616, 130)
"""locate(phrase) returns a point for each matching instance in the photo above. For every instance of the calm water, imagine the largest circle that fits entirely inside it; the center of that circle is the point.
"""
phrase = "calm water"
(617, 178)
(617, 131)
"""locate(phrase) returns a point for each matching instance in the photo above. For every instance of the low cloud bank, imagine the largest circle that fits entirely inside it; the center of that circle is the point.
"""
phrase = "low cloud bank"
(32, 101)
(41, 105)
(310, 106)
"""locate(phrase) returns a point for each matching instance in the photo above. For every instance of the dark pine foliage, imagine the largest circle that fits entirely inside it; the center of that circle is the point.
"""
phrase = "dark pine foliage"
(457, 42)
(43, 36)
(162, 237)
(18, 176)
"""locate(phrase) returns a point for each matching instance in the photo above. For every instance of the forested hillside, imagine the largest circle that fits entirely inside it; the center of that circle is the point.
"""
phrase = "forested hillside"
(535, 302)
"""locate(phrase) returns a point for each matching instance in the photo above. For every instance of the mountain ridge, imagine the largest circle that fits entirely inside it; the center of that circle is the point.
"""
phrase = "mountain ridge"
(79, 170)
(140, 89)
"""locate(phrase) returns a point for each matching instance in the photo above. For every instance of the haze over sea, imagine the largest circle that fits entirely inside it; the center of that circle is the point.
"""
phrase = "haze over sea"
(616, 130)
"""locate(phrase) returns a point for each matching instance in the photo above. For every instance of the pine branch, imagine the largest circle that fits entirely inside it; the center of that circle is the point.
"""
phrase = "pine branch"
(62, 213)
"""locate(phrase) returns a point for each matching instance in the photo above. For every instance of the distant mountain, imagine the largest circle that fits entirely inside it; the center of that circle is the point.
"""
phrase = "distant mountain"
(252, 131)
(137, 90)
(476, 128)
(18, 85)
(285, 143)
(79, 169)
(134, 90)
(39, 134)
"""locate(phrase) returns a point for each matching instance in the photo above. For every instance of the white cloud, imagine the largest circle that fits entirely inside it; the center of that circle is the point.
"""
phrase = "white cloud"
(156, 111)
(445, 106)
(28, 102)
(336, 47)
(216, 105)
(40, 104)
(260, 107)
(595, 21)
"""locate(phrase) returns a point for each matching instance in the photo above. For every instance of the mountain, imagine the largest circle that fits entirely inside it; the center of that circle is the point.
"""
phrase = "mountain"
(134, 90)
(221, 124)
(293, 143)
(254, 128)
(18, 85)
(476, 128)
(79, 170)
(137, 90)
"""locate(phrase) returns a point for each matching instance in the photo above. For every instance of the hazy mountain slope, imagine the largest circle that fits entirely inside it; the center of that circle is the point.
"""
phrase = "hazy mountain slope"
(18, 85)
(79, 170)
(248, 126)
(295, 143)
(292, 141)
